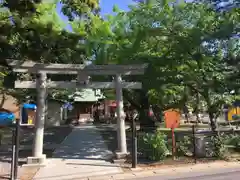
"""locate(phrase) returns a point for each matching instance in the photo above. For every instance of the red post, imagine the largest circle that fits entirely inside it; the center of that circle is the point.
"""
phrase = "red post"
(173, 144)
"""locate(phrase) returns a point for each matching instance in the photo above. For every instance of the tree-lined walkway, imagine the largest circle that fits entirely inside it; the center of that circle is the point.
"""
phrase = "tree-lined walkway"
(82, 154)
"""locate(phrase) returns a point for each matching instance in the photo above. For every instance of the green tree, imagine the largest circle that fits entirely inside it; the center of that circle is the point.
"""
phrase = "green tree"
(37, 36)
(183, 45)
(79, 8)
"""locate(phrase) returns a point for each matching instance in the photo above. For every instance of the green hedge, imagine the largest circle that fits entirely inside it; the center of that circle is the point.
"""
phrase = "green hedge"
(153, 146)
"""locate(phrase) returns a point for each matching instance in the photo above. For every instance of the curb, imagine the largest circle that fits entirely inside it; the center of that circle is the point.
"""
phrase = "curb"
(200, 169)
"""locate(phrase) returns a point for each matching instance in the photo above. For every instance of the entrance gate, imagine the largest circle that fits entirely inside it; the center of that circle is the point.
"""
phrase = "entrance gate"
(83, 72)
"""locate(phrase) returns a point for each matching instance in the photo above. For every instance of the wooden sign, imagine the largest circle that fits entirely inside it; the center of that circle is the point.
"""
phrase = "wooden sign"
(172, 118)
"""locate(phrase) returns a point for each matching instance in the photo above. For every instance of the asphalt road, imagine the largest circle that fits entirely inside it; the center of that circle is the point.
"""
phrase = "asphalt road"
(221, 174)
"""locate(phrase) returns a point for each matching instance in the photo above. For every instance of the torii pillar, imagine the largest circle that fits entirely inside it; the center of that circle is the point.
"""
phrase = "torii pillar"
(38, 156)
(121, 133)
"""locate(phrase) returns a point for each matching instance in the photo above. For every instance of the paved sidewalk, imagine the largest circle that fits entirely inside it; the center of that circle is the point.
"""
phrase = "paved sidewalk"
(82, 154)
(4, 170)
(186, 171)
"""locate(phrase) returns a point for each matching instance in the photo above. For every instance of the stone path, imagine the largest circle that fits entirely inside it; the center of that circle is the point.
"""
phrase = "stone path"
(82, 154)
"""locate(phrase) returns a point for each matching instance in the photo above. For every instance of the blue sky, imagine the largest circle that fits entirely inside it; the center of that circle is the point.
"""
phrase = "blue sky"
(106, 7)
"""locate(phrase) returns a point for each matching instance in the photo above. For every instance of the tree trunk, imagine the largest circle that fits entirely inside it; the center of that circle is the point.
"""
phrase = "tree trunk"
(212, 120)
(146, 123)
(211, 111)
(142, 106)
(158, 113)
(3, 99)
(186, 112)
(197, 108)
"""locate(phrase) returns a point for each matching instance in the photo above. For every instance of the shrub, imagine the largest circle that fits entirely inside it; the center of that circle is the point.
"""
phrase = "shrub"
(233, 140)
(220, 149)
(184, 146)
(154, 146)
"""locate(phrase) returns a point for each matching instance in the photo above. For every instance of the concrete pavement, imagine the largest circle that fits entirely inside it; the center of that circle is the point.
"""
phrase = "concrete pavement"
(188, 172)
(223, 174)
(82, 154)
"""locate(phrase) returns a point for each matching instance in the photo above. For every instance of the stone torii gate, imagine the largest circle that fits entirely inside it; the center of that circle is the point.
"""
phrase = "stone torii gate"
(83, 72)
